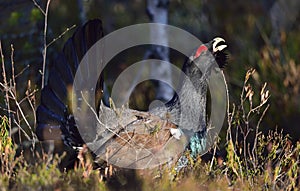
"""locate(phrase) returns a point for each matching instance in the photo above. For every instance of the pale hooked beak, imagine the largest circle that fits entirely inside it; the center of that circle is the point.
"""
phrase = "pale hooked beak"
(216, 42)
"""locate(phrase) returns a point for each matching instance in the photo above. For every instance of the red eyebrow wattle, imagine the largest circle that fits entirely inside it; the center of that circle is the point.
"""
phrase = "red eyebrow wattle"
(200, 50)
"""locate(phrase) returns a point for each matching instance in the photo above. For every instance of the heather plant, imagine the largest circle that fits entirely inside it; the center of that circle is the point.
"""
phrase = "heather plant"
(245, 157)
(253, 159)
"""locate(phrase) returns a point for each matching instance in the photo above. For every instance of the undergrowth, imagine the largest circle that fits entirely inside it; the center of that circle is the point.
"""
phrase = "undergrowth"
(245, 158)
(252, 160)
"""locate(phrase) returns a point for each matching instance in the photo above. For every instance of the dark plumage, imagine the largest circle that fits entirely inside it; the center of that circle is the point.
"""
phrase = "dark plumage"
(54, 117)
(150, 131)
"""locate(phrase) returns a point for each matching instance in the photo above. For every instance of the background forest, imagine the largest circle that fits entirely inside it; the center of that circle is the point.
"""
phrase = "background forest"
(261, 34)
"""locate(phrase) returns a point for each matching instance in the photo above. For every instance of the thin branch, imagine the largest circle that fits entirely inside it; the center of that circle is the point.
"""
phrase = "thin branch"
(5, 109)
(100, 122)
(13, 69)
(110, 130)
(39, 7)
(45, 42)
(5, 85)
(13, 85)
(257, 126)
(28, 95)
(61, 35)
(20, 128)
(213, 156)
(33, 109)
(229, 118)
(21, 111)
(21, 72)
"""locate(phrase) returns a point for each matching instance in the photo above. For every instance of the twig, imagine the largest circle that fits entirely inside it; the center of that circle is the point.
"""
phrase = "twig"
(110, 130)
(39, 7)
(257, 126)
(13, 86)
(5, 85)
(61, 35)
(45, 42)
(21, 72)
(13, 69)
(28, 97)
(229, 118)
(100, 122)
(5, 109)
(21, 129)
(213, 157)
(21, 111)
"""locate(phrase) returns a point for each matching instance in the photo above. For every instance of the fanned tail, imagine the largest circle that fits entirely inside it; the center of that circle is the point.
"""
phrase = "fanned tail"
(54, 117)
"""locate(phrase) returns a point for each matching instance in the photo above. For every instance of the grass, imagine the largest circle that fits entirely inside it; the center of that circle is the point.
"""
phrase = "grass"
(244, 158)
(251, 161)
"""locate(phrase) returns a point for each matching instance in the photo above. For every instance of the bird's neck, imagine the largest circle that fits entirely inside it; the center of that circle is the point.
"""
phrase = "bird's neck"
(188, 107)
(189, 92)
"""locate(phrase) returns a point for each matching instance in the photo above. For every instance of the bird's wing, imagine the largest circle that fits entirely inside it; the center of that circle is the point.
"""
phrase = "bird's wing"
(140, 140)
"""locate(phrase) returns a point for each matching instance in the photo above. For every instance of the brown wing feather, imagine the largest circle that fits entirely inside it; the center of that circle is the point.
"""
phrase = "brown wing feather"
(143, 143)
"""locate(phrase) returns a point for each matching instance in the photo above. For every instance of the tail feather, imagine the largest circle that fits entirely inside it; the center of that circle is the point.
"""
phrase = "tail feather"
(52, 102)
(70, 54)
(46, 116)
(54, 129)
(54, 116)
(55, 83)
(63, 69)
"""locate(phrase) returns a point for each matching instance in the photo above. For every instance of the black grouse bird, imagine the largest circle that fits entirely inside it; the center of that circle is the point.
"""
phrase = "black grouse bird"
(126, 137)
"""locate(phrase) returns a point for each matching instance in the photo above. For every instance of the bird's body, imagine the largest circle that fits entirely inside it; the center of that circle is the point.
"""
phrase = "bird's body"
(127, 137)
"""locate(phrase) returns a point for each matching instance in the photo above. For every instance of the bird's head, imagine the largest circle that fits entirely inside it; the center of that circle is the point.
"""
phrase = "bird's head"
(206, 57)
(213, 50)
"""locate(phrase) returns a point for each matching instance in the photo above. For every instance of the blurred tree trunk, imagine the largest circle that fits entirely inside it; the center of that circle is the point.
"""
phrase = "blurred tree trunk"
(157, 11)
(82, 11)
(283, 15)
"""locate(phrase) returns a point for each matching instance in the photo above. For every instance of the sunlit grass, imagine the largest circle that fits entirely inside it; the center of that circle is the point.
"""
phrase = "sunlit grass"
(258, 162)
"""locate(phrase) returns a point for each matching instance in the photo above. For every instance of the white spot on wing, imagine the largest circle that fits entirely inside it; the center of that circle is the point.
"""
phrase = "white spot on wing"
(176, 133)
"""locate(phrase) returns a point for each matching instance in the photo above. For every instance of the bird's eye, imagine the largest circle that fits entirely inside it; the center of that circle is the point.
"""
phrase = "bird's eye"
(201, 49)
